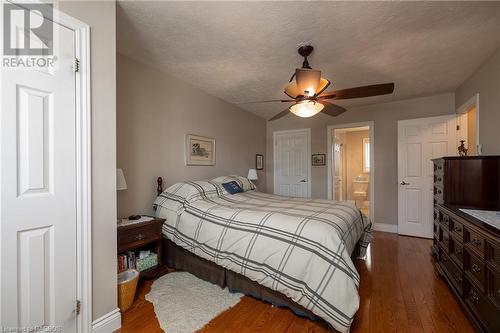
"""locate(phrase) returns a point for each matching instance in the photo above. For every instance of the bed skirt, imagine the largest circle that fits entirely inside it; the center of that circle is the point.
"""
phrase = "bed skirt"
(179, 258)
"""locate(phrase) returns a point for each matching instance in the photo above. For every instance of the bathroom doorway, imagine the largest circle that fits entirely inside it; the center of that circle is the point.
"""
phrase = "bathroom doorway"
(350, 160)
(468, 126)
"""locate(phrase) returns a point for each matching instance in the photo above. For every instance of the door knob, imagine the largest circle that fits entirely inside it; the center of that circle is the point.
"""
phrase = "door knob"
(404, 183)
(303, 181)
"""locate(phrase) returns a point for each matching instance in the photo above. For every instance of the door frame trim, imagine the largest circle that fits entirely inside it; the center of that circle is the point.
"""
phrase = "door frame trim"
(298, 130)
(371, 129)
(83, 165)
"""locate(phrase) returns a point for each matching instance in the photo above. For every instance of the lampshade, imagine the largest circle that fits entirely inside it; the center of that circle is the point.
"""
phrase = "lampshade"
(252, 174)
(121, 184)
(306, 108)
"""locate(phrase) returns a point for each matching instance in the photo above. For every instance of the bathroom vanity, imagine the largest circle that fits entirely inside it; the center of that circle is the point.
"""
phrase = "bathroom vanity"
(466, 244)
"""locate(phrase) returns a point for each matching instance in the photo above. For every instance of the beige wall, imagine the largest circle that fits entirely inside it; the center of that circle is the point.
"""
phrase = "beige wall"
(485, 81)
(385, 118)
(101, 18)
(354, 155)
(155, 112)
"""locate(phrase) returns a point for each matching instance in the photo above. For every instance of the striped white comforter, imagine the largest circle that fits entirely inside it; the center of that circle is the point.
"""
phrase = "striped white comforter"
(298, 247)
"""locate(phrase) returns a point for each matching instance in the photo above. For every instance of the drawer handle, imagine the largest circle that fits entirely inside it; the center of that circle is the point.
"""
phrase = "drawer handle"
(439, 179)
(476, 242)
(445, 259)
(459, 251)
(140, 236)
(458, 229)
(458, 277)
(440, 167)
(473, 296)
(439, 192)
(475, 268)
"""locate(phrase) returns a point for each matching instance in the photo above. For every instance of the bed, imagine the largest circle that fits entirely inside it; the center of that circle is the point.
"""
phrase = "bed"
(291, 252)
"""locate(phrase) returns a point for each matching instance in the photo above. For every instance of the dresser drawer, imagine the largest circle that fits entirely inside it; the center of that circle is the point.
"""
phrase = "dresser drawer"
(475, 267)
(438, 194)
(453, 272)
(494, 289)
(457, 229)
(476, 241)
(445, 240)
(445, 221)
(457, 251)
(494, 255)
(482, 307)
(438, 178)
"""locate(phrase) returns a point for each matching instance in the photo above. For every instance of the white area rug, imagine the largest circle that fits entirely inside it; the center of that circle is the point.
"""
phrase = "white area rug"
(184, 304)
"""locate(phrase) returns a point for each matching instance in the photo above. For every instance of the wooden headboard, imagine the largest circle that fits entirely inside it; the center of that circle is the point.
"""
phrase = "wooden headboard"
(159, 187)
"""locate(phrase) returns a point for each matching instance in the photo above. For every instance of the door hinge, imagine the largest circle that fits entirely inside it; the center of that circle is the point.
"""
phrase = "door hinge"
(76, 65)
(458, 127)
(77, 307)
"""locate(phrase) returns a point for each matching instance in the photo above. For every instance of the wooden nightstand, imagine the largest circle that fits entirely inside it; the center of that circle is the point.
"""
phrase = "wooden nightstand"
(143, 236)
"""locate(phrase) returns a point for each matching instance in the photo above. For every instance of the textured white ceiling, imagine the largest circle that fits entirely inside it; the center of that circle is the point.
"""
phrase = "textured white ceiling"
(246, 51)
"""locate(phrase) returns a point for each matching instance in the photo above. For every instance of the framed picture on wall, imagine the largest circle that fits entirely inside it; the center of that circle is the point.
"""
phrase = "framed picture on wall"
(200, 150)
(318, 159)
(259, 162)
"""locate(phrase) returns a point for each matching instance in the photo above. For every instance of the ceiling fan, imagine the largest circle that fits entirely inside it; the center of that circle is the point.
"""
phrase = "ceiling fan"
(308, 96)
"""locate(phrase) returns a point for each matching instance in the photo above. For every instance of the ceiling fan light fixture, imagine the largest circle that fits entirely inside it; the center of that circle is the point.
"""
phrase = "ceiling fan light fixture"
(306, 108)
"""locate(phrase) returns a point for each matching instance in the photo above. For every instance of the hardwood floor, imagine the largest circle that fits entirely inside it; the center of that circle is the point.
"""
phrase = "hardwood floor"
(399, 290)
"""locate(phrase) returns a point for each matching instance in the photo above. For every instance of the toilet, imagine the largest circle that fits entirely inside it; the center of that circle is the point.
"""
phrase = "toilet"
(360, 187)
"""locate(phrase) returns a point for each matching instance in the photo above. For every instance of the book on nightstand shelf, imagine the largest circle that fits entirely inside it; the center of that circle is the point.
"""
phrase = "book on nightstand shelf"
(140, 263)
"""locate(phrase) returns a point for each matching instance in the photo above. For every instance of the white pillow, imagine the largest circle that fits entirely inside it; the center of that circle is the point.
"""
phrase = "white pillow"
(178, 195)
(244, 182)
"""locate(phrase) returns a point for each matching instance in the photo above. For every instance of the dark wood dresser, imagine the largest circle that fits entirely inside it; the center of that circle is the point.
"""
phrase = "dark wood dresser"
(467, 250)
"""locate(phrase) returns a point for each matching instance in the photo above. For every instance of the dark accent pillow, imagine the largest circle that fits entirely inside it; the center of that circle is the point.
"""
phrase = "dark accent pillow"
(232, 187)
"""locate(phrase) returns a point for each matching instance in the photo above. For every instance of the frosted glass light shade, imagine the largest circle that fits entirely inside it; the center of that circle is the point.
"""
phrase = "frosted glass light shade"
(252, 174)
(121, 184)
(306, 108)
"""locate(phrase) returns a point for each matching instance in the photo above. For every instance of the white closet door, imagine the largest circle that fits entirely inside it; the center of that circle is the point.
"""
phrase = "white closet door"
(292, 160)
(38, 192)
(419, 141)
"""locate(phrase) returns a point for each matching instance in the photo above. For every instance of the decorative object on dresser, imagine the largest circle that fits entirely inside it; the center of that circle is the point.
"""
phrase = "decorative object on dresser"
(462, 151)
(259, 162)
(467, 249)
(140, 246)
(200, 150)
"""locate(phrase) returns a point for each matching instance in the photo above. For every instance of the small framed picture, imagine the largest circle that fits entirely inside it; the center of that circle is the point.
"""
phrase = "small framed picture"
(200, 150)
(259, 162)
(318, 159)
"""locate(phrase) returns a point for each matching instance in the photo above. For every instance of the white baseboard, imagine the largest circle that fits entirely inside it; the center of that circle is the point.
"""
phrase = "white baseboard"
(392, 228)
(108, 323)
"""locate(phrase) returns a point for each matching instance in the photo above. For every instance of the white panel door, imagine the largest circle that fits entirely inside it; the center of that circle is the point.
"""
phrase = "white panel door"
(38, 193)
(292, 163)
(419, 141)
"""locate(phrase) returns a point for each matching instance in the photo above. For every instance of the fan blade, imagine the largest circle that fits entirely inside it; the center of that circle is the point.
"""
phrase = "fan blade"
(332, 109)
(280, 115)
(357, 92)
(270, 100)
